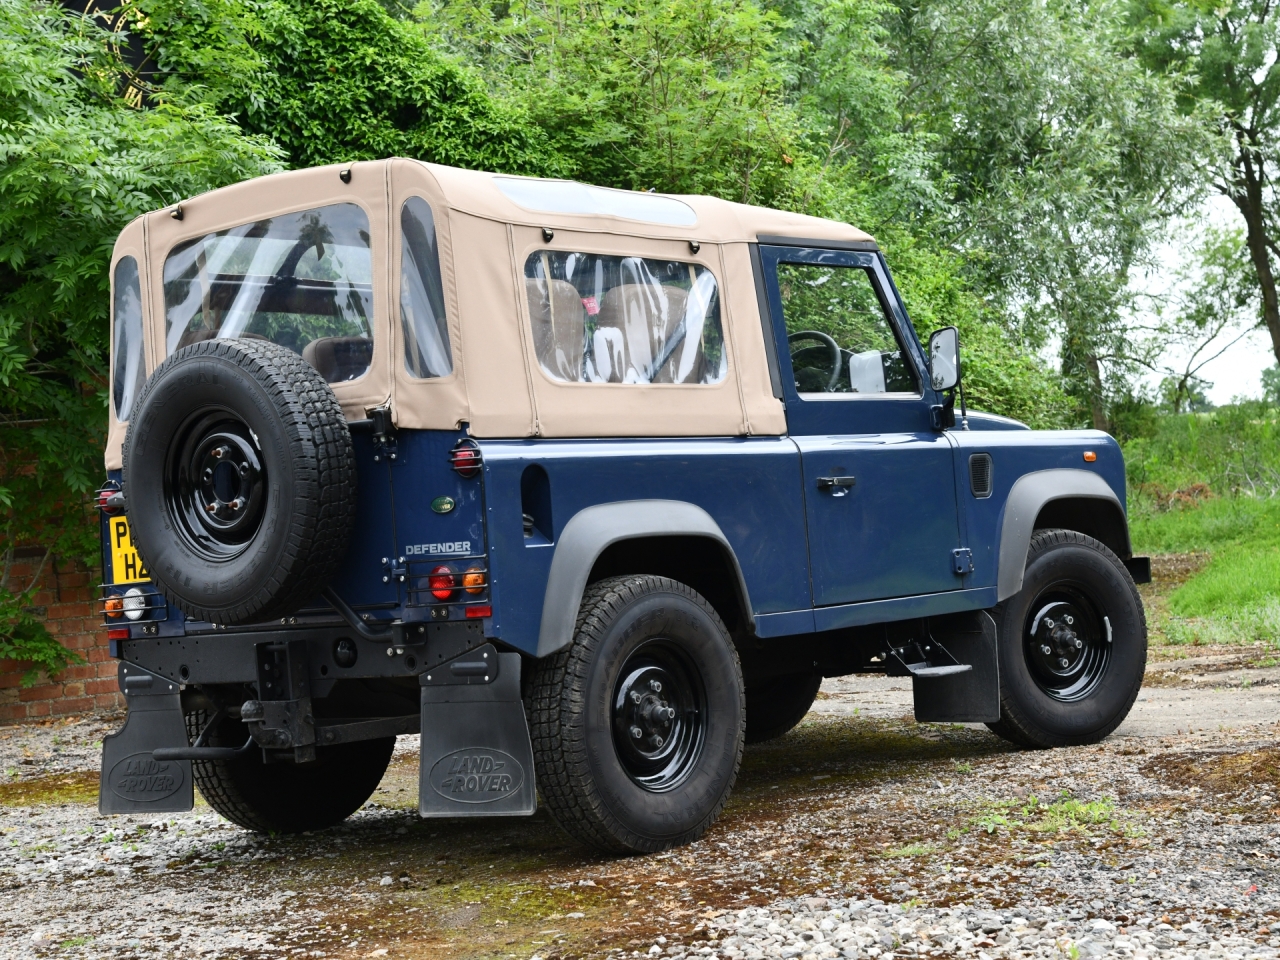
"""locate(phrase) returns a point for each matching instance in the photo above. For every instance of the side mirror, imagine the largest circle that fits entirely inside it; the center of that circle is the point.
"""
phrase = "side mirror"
(944, 358)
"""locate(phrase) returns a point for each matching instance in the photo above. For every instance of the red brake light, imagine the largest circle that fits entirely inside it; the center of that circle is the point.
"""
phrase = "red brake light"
(118, 633)
(465, 458)
(480, 611)
(441, 582)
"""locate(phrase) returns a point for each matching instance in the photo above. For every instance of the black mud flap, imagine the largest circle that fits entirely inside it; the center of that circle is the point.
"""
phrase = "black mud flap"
(961, 696)
(133, 781)
(477, 758)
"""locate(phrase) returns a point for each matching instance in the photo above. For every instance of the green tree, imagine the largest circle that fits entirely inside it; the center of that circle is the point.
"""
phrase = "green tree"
(77, 162)
(336, 80)
(1227, 53)
(1063, 158)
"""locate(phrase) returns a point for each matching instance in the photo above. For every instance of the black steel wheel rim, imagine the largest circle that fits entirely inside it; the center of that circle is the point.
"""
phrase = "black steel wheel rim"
(659, 715)
(215, 483)
(1067, 642)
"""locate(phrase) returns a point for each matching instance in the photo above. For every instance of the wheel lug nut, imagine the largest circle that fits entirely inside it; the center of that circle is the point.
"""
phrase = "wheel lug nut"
(220, 452)
(671, 713)
(1063, 661)
(1048, 623)
(212, 507)
(1070, 620)
(244, 469)
(1044, 648)
(237, 503)
(655, 686)
(208, 474)
(1079, 644)
(637, 732)
(635, 697)
(656, 741)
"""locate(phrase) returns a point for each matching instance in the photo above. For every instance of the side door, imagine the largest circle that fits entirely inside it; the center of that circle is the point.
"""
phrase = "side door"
(879, 479)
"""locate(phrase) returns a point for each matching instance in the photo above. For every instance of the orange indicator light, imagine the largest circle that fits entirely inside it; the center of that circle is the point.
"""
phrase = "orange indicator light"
(1090, 456)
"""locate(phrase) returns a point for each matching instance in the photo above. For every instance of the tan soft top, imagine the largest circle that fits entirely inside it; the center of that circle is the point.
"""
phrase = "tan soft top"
(497, 389)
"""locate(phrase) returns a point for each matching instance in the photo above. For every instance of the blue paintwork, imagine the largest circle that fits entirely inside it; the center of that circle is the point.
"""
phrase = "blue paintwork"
(811, 560)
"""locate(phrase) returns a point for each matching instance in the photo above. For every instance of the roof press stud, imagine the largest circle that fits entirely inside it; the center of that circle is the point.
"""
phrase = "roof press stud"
(547, 234)
(176, 212)
(694, 246)
(345, 174)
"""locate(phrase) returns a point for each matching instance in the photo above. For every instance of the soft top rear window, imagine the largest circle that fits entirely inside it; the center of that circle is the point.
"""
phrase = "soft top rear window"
(303, 280)
(566, 196)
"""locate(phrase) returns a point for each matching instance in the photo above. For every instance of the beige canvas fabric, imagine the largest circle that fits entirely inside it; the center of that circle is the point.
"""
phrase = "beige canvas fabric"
(498, 333)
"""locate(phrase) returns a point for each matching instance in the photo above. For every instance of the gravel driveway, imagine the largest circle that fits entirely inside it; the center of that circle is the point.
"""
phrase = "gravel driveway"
(860, 834)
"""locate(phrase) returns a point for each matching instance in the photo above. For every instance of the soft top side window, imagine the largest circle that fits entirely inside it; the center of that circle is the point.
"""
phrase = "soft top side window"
(840, 336)
(303, 280)
(426, 333)
(126, 311)
(609, 319)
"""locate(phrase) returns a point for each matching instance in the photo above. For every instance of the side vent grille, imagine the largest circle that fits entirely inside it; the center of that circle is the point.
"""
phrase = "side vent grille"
(980, 475)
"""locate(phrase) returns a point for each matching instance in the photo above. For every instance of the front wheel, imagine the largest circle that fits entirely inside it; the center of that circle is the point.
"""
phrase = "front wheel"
(1073, 644)
(637, 725)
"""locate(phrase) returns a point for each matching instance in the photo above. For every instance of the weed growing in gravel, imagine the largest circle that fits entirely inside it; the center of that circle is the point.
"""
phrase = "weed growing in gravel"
(910, 850)
(1064, 815)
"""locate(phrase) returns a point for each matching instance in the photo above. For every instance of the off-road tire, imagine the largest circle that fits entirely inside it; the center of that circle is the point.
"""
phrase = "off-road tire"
(580, 773)
(286, 797)
(777, 705)
(1030, 717)
(302, 500)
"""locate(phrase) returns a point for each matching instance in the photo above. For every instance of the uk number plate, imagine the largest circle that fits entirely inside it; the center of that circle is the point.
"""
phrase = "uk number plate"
(126, 565)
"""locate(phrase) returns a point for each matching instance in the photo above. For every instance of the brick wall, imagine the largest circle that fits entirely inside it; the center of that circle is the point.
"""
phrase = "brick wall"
(66, 601)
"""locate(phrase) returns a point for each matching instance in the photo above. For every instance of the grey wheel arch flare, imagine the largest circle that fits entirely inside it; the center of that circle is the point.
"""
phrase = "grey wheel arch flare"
(593, 529)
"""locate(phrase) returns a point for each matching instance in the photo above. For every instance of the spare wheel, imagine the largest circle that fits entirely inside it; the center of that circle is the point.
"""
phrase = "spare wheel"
(240, 480)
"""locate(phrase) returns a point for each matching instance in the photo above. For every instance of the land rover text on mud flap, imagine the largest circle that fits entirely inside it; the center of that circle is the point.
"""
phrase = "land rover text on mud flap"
(588, 487)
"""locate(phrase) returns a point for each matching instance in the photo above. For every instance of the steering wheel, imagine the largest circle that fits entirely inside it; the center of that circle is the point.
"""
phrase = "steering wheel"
(837, 360)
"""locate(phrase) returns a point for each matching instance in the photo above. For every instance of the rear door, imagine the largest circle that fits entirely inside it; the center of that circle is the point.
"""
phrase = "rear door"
(879, 480)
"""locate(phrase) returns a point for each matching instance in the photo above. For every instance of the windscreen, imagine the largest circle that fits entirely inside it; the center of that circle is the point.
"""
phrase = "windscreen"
(303, 280)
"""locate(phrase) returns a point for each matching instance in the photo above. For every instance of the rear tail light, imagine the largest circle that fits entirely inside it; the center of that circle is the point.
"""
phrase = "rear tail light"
(113, 606)
(465, 458)
(474, 580)
(118, 633)
(479, 611)
(111, 500)
(442, 582)
(134, 604)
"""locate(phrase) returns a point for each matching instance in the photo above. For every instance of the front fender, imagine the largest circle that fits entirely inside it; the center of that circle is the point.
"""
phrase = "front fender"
(1028, 497)
(590, 531)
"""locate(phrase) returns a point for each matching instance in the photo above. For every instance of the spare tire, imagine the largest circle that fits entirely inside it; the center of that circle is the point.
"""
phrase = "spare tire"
(240, 480)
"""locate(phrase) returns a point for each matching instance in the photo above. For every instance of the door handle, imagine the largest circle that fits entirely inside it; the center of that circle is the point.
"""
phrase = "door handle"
(838, 486)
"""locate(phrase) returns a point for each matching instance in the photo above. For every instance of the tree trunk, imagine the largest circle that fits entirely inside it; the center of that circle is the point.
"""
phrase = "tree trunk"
(1097, 408)
(1249, 202)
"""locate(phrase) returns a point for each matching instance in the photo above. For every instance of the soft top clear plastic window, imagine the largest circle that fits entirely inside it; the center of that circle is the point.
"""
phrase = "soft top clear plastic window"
(426, 334)
(609, 319)
(303, 280)
(566, 196)
(126, 310)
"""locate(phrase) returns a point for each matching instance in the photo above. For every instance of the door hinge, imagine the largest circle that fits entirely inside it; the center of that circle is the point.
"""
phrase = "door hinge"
(963, 558)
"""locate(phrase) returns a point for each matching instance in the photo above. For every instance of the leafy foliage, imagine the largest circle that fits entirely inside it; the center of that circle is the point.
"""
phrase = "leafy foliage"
(77, 163)
(336, 80)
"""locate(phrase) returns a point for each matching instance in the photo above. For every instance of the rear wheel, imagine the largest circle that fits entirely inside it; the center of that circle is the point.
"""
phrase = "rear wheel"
(638, 724)
(287, 797)
(777, 705)
(1073, 644)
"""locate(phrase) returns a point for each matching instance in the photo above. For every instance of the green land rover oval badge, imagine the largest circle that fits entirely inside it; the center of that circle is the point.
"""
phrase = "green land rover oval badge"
(443, 504)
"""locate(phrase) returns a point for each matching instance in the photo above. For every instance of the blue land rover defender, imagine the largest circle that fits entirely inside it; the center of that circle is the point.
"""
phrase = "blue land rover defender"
(587, 487)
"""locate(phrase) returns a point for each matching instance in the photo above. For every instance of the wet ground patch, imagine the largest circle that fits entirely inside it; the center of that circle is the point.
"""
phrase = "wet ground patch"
(80, 786)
